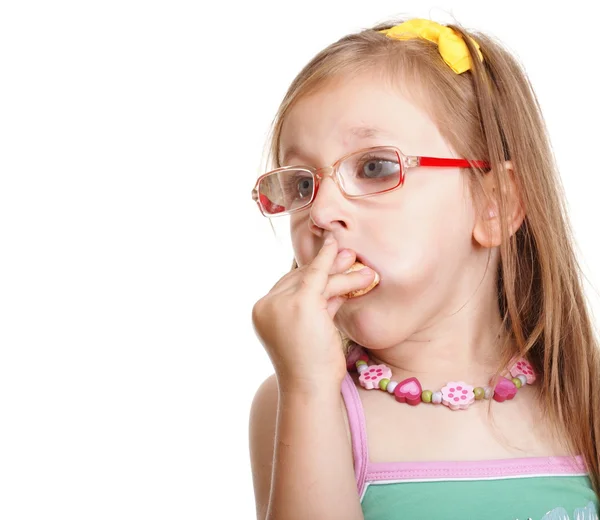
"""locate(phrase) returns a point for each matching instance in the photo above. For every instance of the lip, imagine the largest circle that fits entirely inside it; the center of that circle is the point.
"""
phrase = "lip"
(366, 262)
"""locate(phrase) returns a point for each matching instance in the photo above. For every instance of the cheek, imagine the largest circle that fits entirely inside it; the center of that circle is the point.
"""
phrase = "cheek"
(302, 240)
(427, 236)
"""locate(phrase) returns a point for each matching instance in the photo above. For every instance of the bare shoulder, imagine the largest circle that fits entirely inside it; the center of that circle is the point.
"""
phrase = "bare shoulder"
(263, 414)
(263, 421)
(262, 429)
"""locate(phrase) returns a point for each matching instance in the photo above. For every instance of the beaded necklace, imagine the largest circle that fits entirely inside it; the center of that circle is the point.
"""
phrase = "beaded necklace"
(457, 395)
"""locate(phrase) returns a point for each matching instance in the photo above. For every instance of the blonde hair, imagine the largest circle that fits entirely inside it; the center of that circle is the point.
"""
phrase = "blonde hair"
(491, 113)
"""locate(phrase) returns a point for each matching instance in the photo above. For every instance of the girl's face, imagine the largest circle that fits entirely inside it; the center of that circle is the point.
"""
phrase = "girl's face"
(419, 238)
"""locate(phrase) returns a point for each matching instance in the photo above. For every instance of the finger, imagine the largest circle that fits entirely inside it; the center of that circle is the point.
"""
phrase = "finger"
(317, 272)
(341, 284)
(344, 259)
(334, 304)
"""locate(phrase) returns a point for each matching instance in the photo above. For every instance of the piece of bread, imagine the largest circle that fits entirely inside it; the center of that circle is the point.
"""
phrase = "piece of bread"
(356, 266)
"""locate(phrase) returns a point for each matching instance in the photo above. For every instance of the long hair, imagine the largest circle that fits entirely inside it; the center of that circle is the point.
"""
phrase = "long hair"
(491, 112)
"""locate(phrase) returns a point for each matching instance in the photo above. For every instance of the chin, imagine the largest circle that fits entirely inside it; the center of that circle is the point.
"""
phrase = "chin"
(366, 326)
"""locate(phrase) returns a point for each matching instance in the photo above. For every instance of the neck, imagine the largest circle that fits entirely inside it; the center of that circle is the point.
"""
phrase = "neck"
(464, 346)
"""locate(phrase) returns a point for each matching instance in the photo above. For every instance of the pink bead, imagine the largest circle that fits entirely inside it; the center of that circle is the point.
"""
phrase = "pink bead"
(522, 366)
(505, 390)
(370, 378)
(408, 391)
(458, 395)
(353, 356)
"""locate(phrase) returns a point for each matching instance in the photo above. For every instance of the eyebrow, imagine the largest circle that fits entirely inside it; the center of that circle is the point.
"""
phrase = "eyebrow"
(362, 133)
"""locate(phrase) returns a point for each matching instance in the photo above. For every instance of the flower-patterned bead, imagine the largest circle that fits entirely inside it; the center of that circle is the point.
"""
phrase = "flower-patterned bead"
(370, 378)
(391, 386)
(361, 368)
(505, 390)
(436, 398)
(522, 366)
(458, 395)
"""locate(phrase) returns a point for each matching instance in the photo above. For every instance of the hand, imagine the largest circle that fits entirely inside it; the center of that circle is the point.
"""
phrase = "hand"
(295, 319)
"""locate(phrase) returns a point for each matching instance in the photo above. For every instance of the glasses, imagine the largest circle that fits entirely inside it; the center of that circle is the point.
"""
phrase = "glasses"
(364, 173)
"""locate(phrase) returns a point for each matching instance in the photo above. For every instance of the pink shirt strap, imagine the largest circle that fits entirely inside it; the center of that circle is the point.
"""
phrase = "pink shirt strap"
(358, 432)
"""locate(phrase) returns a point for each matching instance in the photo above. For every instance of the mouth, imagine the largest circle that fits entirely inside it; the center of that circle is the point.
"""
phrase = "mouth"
(365, 261)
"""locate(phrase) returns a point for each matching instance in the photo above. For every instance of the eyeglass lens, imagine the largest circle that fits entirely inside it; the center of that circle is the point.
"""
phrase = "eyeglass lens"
(362, 173)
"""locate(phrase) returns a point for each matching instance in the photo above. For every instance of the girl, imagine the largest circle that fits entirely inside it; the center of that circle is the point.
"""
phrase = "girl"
(466, 384)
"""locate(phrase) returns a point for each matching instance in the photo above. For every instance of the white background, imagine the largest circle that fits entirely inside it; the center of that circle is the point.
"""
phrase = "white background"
(131, 252)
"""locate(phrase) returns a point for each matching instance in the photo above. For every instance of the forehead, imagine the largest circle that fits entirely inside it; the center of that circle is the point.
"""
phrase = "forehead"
(354, 114)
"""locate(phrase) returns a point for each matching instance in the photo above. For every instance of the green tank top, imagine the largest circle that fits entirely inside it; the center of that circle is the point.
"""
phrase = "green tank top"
(538, 488)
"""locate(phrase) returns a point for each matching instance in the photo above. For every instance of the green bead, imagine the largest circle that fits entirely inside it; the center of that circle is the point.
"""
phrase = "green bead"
(360, 362)
(479, 393)
(426, 396)
(383, 384)
(516, 381)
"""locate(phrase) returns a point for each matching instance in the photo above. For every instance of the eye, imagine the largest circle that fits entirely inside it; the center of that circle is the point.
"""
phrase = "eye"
(377, 168)
(304, 187)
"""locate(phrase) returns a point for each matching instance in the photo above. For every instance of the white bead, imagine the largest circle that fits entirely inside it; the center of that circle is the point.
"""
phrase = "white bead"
(391, 386)
(362, 368)
(523, 379)
(488, 392)
(436, 398)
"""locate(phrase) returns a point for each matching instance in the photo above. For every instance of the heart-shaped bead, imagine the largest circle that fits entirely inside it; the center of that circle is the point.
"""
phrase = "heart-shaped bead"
(408, 391)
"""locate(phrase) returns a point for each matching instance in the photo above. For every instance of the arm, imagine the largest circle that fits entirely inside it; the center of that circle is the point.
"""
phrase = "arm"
(301, 458)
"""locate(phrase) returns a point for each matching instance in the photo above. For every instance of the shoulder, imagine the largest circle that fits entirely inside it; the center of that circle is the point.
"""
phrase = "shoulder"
(263, 419)
(263, 412)
(262, 432)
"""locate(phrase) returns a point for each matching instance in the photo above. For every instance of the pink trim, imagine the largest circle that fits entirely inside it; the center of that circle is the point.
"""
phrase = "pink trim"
(356, 420)
(502, 468)
(366, 471)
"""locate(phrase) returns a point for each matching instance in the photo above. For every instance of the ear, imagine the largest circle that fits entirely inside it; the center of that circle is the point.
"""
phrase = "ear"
(487, 228)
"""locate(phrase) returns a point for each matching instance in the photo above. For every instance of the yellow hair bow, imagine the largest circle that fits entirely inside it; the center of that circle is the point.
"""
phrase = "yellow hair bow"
(451, 44)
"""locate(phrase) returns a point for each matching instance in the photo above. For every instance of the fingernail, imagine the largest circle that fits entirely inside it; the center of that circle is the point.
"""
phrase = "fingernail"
(366, 271)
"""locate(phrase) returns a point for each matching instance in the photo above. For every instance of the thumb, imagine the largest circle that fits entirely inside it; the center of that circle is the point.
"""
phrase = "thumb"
(334, 304)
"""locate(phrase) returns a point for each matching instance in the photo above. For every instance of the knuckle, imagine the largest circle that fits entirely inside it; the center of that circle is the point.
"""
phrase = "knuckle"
(303, 285)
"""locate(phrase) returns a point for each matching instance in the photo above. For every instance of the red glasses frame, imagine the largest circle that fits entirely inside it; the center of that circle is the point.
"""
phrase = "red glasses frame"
(405, 161)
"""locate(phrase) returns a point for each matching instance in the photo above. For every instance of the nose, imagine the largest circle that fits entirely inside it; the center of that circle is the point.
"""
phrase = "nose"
(326, 171)
(328, 211)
